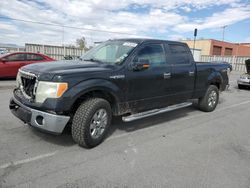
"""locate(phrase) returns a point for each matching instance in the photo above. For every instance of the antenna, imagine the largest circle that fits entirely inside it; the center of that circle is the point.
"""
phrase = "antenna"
(195, 34)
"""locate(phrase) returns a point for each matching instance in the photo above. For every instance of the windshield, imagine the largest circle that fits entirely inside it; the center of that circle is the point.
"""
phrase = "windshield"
(110, 52)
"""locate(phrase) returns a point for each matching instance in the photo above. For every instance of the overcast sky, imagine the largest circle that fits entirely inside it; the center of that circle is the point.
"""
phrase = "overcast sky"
(164, 19)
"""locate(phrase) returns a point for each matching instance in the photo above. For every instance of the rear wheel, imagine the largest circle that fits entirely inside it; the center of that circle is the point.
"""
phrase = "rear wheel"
(91, 122)
(210, 100)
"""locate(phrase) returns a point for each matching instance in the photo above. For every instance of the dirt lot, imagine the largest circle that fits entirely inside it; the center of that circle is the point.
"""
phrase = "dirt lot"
(183, 148)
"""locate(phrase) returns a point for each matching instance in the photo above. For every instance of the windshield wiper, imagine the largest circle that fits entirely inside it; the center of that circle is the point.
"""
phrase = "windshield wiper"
(93, 60)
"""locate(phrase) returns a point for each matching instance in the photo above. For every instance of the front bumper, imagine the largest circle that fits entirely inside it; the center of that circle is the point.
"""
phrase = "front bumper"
(245, 82)
(42, 120)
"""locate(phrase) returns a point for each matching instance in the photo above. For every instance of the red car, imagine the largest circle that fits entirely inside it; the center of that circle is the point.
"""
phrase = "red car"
(10, 63)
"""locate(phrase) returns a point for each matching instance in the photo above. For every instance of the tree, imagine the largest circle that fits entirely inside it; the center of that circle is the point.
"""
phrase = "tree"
(81, 43)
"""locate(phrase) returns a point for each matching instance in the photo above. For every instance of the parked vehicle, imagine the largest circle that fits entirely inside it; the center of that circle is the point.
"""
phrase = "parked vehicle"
(68, 57)
(244, 80)
(10, 63)
(134, 78)
(3, 51)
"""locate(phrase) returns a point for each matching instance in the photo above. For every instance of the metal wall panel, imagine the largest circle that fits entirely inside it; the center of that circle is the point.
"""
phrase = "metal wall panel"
(238, 63)
(56, 52)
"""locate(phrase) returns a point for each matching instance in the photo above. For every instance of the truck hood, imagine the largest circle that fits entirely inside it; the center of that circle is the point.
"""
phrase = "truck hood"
(50, 69)
(248, 66)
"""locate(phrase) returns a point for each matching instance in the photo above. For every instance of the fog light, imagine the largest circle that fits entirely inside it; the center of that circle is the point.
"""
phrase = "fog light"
(39, 120)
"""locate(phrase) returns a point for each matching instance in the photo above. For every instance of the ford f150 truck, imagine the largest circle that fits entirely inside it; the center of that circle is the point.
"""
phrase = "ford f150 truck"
(132, 78)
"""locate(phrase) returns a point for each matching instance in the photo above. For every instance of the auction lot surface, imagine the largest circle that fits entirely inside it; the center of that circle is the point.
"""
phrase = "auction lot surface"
(183, 148)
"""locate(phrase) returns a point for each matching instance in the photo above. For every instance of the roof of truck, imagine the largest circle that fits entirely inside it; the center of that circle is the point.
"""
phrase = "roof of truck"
(140, 40)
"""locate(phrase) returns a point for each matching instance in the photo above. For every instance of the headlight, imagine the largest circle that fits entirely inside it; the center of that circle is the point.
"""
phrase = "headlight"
(18, 80)
(49, 90)
(228, 71)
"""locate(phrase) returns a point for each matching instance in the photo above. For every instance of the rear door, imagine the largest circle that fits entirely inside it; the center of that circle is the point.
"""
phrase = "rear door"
(148, 89)
(183, 72)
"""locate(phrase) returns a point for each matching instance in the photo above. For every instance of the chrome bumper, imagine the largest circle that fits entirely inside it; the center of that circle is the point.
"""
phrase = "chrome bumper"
(42, 120)
(242, 82)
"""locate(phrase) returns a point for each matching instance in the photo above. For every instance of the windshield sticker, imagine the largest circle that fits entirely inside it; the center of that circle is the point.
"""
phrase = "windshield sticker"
(130, 44)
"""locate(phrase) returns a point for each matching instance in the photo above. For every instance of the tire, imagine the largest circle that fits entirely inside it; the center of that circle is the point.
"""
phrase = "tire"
(85, 128)
(210, 100)
(240, 86)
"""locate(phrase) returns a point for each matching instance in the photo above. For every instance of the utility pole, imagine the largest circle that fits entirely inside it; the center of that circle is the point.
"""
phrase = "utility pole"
(223, 32)
(62, 35)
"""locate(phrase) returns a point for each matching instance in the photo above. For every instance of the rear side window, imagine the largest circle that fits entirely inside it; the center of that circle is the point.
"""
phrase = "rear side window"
(153, 53)
(34, 57)
(16, 57)
(180, 54)
(177, 49)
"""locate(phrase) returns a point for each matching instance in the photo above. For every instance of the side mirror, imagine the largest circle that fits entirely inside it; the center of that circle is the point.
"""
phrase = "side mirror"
(142, 64)
(3, 60)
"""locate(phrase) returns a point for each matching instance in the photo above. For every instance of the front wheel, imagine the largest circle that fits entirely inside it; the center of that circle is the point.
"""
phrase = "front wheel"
(210, 100)
(91, 122)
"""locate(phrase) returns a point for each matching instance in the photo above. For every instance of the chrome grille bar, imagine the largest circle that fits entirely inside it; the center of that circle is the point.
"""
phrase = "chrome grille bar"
(28, 82)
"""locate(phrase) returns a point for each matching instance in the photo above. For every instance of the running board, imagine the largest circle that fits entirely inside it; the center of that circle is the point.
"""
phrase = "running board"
(155, 111)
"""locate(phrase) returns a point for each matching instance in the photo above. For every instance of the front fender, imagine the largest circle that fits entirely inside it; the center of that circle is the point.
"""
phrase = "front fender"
(69, 98)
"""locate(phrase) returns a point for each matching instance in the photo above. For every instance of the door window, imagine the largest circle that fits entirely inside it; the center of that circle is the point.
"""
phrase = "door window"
(177, 49)
(180, 53)
(152, 53)
(34, 57)
(16, 57)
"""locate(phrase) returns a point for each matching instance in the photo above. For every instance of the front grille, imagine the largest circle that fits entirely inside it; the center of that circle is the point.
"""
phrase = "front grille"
(27, 83)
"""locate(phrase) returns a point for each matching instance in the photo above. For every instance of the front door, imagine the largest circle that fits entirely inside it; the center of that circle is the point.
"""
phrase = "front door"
(12, 63)
(149, 88)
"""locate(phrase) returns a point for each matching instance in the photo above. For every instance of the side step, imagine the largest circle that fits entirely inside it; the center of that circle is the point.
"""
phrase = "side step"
(155, 111)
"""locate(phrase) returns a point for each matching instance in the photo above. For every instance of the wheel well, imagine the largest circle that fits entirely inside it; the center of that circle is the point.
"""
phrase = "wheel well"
(98, 94)
(217, 84)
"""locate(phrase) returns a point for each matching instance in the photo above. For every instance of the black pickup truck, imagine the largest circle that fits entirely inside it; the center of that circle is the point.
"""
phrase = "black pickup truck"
(132, 78)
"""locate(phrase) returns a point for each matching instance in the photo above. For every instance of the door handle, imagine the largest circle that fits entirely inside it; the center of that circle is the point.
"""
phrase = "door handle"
(191, 73)
(167, 75)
